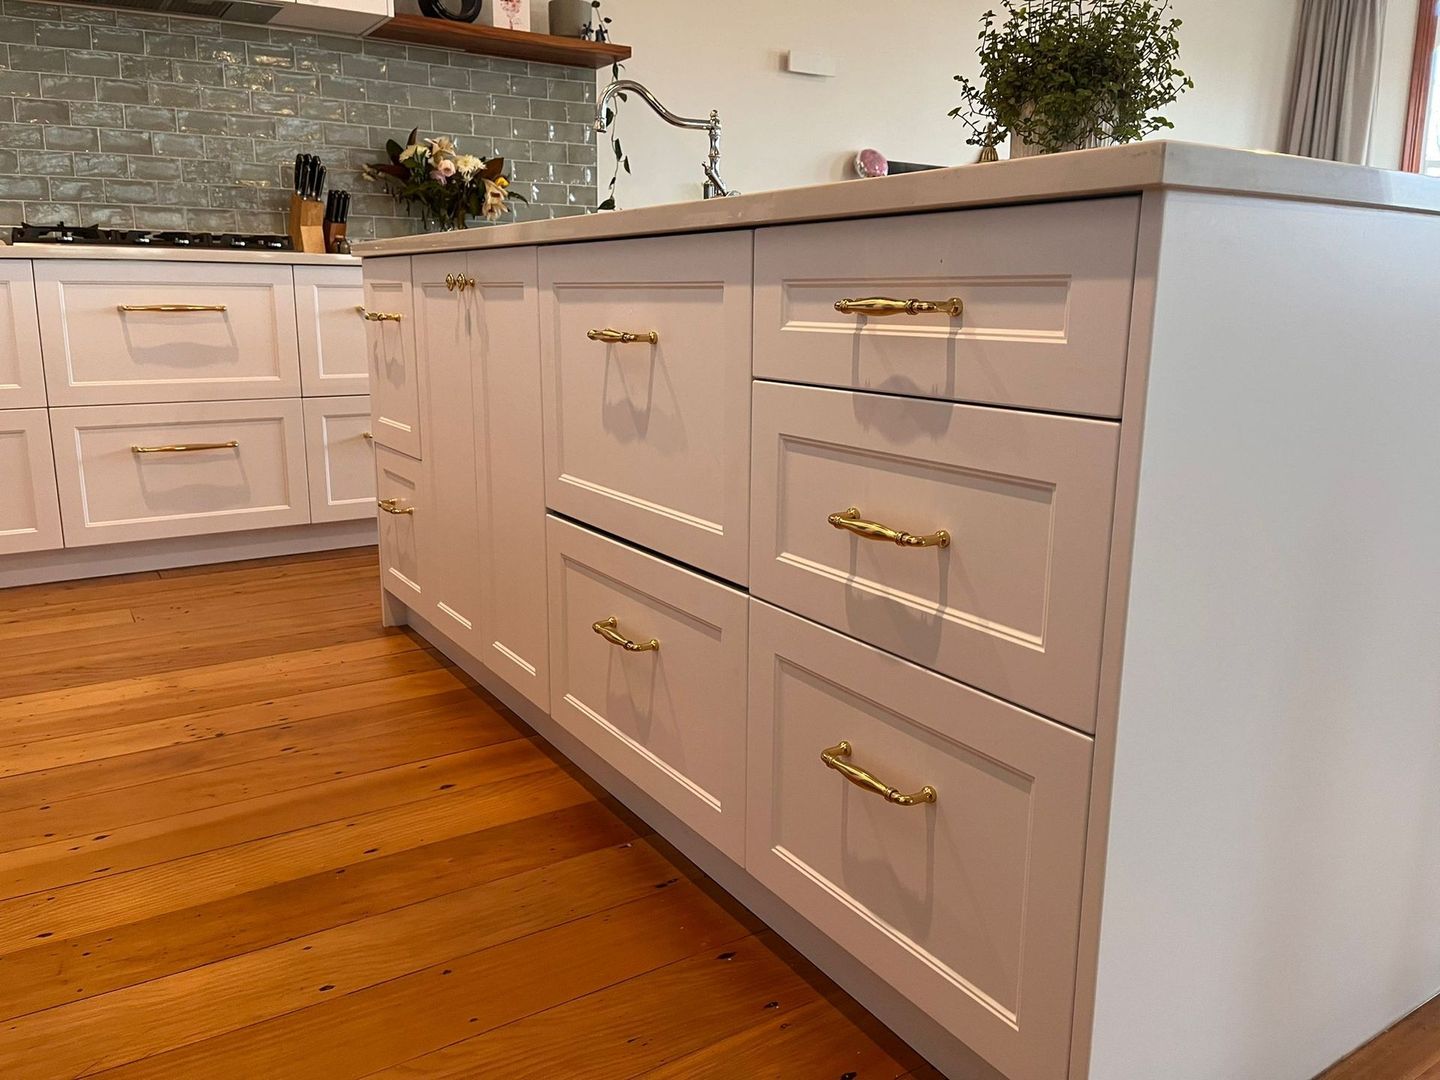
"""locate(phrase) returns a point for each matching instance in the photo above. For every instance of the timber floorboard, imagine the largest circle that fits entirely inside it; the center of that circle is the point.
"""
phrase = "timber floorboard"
(246, 832)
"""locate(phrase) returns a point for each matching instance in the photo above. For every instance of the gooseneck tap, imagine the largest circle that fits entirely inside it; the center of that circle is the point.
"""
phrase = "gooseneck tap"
(714, 185)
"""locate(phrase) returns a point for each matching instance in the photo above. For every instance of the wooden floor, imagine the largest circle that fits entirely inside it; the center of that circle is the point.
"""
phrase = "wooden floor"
(245, 832)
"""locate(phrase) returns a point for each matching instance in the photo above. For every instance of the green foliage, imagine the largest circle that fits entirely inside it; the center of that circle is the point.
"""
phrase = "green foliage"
(1060, 72)
(615, 148)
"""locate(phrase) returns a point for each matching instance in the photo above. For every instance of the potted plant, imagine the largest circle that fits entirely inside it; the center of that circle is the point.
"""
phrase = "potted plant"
(1068, 74)
(444, 185)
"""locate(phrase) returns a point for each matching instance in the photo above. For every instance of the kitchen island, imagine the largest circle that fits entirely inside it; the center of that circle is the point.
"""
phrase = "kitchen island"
(1017, 583)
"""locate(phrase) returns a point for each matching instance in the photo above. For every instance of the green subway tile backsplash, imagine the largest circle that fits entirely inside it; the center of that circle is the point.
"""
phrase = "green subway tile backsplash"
(134, 120)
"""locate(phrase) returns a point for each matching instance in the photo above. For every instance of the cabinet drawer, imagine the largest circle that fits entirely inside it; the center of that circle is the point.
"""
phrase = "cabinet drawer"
(400, 486)
(22, 376)
(339, 458)
(649, 441)
(391, 357)
(122, 477)
(331, 331)
(192, 331)
(1046, 293)
(969, 905)
(673, 719)
(29, 505)
(1014, 604)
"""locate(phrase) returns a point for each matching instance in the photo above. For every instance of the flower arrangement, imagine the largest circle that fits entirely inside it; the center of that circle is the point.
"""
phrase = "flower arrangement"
(1062, 74)
(444, 185)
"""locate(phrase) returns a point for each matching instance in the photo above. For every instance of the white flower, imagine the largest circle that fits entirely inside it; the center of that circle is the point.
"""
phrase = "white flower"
(467, 165)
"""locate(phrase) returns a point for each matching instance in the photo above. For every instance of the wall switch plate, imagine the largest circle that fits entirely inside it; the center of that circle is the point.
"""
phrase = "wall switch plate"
(811, 62)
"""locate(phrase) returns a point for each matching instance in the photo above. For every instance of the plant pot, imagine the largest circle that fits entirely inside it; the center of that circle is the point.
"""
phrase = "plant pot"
(1019, 148)
(568, 17)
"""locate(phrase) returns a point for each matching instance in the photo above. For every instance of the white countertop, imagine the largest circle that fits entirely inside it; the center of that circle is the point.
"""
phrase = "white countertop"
(1082, 174)
(158, 254)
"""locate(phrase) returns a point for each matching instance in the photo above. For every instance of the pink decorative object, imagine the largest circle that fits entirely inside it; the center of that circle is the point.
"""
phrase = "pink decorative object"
(871, 163)
(511, 14)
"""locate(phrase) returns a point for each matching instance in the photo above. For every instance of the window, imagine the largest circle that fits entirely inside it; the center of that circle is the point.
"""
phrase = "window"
(1422, 125)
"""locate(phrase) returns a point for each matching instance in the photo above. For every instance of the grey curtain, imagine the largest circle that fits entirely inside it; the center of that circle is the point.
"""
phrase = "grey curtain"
(1336, 79)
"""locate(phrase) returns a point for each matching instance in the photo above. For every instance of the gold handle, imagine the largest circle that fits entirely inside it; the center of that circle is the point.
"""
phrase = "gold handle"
(879, 307)
(378, 316)
(608, 631)
(392, 506)
(459, 281)
(185, 448)
(623, 337)
(851, 521)
(449, 282)
(868, 781)
(171, 307)
(367, 436)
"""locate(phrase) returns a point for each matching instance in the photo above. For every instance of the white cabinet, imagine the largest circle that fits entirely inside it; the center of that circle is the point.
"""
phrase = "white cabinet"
(970, 904)
(29, 504)
(1014, 602)
(443, 323)
(482, 541)
(333, 16)
(22, 375)
(131, 332)
(150, 472)
(649, 672)
(328, 300)
(404, 510)
(1043, 319)
(646, 439)
(503, 312)
(390, 352)
(340, 458)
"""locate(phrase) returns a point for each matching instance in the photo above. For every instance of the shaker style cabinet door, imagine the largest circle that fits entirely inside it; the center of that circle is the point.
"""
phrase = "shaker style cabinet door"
(22, 375)
(1026, 306)
(389, 321)
(151, 472)
(443, 329)
(645, 349)
(502, 298)
(934, 832)
(29, 504)
(332, 335)
(340, 455)
(404, 510)
(649, 673)
(1002, 520)
(131, 333)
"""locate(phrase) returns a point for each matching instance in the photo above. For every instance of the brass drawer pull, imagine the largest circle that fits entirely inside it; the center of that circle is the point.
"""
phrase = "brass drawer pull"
(868, 781)
(392, 506)
(378, 316)
(185, 448)
(458, 281)
(367, 436)
(623, 337)
(608, 630)
(171, 307)
(851, 521)
(879, 307)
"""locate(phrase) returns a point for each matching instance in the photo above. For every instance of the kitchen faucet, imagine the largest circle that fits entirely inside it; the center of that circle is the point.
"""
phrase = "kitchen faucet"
(714, 185)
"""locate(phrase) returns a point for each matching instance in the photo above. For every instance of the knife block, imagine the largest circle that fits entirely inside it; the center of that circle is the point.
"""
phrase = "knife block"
(307, 225)
(334, 233)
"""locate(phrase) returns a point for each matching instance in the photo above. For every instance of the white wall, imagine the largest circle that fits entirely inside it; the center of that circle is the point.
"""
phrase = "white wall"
(894, 84)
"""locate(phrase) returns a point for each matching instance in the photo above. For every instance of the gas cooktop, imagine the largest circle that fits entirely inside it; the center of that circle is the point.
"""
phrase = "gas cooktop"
(79, 235)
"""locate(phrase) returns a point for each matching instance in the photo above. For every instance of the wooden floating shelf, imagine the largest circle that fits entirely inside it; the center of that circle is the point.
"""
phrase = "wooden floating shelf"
(495, 41)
